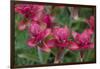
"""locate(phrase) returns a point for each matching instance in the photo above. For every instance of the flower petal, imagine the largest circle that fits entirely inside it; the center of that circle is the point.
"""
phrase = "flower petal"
(31, 43)
(61, 44)
(75, 35)
(91, 45)
(48, 20)
(61, 33)
(73, 46)
(51, 43)
(22, 26)
(45, 48)
(35, 28)
(43, 34)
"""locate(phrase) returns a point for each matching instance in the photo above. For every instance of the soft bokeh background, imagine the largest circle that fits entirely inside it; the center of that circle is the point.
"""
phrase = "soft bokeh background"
(29, 56)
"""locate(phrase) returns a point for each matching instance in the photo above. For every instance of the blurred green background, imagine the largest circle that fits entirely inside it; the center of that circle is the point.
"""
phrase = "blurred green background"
(29, 56)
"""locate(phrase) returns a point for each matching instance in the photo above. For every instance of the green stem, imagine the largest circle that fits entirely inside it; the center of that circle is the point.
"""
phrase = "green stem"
(40, 55)
(59, 55)
(81, 56)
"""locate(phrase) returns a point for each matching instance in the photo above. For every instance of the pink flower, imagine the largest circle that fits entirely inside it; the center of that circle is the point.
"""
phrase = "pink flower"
(22, 25)
(73, 46)
(45, 48)
(48, 45)
(60, 39)
(91, 22)
(82, 41)
(32, 12)
(31, 43)
(48, 19)
(61, 35)
(43, 34)
(23, 9)
(38, 39)
(34, 29)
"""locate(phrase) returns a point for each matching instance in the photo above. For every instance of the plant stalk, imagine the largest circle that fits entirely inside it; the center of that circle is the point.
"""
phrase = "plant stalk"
(59, 55)
(81, 56)
(40, 55)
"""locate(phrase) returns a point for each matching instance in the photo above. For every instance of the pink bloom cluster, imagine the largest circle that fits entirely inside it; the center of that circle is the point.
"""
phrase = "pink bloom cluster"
(33, 13)
(91, 22)
(46, 35)
(30, 11)
(82, 41)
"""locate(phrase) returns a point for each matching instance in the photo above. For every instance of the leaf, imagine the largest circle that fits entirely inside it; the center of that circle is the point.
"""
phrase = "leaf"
(79, 26)
(71, 57)
(46, 56)
(89, 55)
(40, 55)
(86, 12)
(28, 56)
(18, 18)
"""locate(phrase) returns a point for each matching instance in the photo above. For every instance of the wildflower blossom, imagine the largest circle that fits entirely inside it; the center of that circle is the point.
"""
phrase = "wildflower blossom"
(82, 41)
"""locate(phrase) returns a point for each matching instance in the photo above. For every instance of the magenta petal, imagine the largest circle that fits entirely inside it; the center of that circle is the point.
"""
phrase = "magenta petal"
(91, 45)
(48, 20)
(48, 45)
(30, 11)
(91, 22)
(61, 44)
(89, 31)
(61, 33)
(43, 35)
(45, 48)
(85, 47)
(22, 26)
(35, 28)
(47, 32)
(18, 8)
(51, 43)
(73, 46)
(31, 43)
(75, 35)
(85, 36)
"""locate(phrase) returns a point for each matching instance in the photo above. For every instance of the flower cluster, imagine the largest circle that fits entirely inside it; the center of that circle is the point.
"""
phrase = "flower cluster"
(44, 32)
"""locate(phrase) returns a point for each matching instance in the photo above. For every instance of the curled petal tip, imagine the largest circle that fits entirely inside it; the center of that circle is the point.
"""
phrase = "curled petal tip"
(73, 46)
(31, 43)
(22, 26)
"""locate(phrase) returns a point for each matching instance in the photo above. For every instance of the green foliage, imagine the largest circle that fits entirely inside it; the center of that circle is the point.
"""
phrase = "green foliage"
(79, 26)
(29, 56)
(86, 12)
